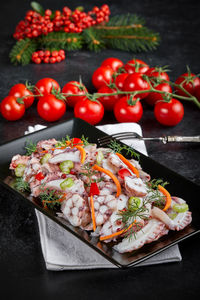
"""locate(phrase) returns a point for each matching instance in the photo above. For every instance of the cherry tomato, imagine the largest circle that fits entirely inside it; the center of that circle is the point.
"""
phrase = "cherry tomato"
(45, 85)
(128, 110)
(50, 108)
(136, 65)
(75, 88)
(113, 63)
(153, 97)
(123, 173)
(189, 82)
(11, 109)
(135, 82)
(197, 93)
(108, 101)
(119, 80)
(20, 90)
(88, 110)
(169, 113)
(102, 76)
(157, 72)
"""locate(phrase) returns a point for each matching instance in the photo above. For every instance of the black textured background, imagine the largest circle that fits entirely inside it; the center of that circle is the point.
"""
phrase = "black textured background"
(22, 268)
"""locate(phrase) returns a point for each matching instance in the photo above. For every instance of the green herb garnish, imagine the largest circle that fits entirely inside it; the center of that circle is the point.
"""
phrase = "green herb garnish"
(117, 147)
(21, 185)
(30, 147)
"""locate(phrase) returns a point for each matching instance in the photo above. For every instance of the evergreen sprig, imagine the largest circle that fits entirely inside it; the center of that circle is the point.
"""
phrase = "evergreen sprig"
(21, 52)
(125, 32)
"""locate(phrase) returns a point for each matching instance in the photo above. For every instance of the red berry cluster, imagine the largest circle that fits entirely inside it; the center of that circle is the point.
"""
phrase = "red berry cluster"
(48, 57)
(35, 25)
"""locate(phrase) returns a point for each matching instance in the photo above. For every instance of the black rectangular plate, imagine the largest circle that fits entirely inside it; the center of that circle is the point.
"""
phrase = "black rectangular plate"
(179, 186)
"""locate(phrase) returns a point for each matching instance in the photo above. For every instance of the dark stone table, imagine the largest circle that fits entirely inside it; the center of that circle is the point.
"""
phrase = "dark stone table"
(22, 267)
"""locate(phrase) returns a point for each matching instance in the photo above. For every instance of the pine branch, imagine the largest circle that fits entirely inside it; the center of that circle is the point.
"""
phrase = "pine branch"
(93, 39)
(21, 52)
(127, 32)
(61, 40)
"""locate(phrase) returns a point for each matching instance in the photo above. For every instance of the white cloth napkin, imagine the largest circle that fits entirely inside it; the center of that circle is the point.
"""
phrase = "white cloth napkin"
(63, 251)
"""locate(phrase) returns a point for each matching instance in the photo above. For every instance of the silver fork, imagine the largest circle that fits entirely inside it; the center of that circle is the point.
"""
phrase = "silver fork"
(133, 135)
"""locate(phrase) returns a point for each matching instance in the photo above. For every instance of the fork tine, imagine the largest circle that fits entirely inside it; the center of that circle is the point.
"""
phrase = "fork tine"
(109, 139)
(115, 135)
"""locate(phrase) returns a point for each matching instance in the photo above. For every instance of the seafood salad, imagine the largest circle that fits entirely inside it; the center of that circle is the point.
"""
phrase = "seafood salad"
(99, 190)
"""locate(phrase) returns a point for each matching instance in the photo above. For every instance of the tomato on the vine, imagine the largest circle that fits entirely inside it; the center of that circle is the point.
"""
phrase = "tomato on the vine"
(158, 73)
(135, 82)
(136, 65)
(11, 109)
(119, 80)
(51, 108)
(89, 110)
(102, 76)
(153, 97)
(189, 82)
(108, 101)
(112, 62)
(45, 85)
(75, 88)
(19, 90)
(197, 93)
(169, 113)
(128, 109)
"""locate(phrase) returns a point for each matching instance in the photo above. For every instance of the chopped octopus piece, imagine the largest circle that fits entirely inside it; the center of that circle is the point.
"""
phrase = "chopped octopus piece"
(46, 144)
(19, 159)
(77, 187)
(153, 230)
(104, 207)
(69, 154)
(135, 186)
(75, 209)
(179, 222)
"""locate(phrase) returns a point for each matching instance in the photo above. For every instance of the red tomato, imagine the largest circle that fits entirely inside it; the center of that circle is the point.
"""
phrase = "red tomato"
(127, 110)
(108, 101)
(20, 90)
(188, 82)
(119, 80)
(88, 110)
(157, 72)
(11, 109)
(75, 88)
(169, 113)
(136, 65)
(45, 85)
(135, 82)
(123, 173)
(197, 93)
(50, 108)
(113, 63)
(76, 141)
(102, 76)
(153, 97)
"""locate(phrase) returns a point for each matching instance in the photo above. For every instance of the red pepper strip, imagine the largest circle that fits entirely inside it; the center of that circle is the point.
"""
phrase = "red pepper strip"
(94, 190)
(39, 176)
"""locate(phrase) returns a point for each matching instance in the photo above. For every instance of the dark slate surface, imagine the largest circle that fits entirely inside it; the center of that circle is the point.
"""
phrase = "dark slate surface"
(22, 268)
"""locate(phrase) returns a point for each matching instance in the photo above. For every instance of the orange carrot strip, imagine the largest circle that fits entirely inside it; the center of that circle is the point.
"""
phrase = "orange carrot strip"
(129, 165)
(83, 153)
(109, 173)
(93, 213)
(167, 195)
(106, 237)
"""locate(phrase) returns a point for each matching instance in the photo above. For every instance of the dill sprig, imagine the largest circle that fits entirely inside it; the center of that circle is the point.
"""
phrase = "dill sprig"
(117, 147)
(154, 195)
(89, 172)
(30, 147)
(21, 185)
(50, 198)
(84, 140)
(128, 216)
